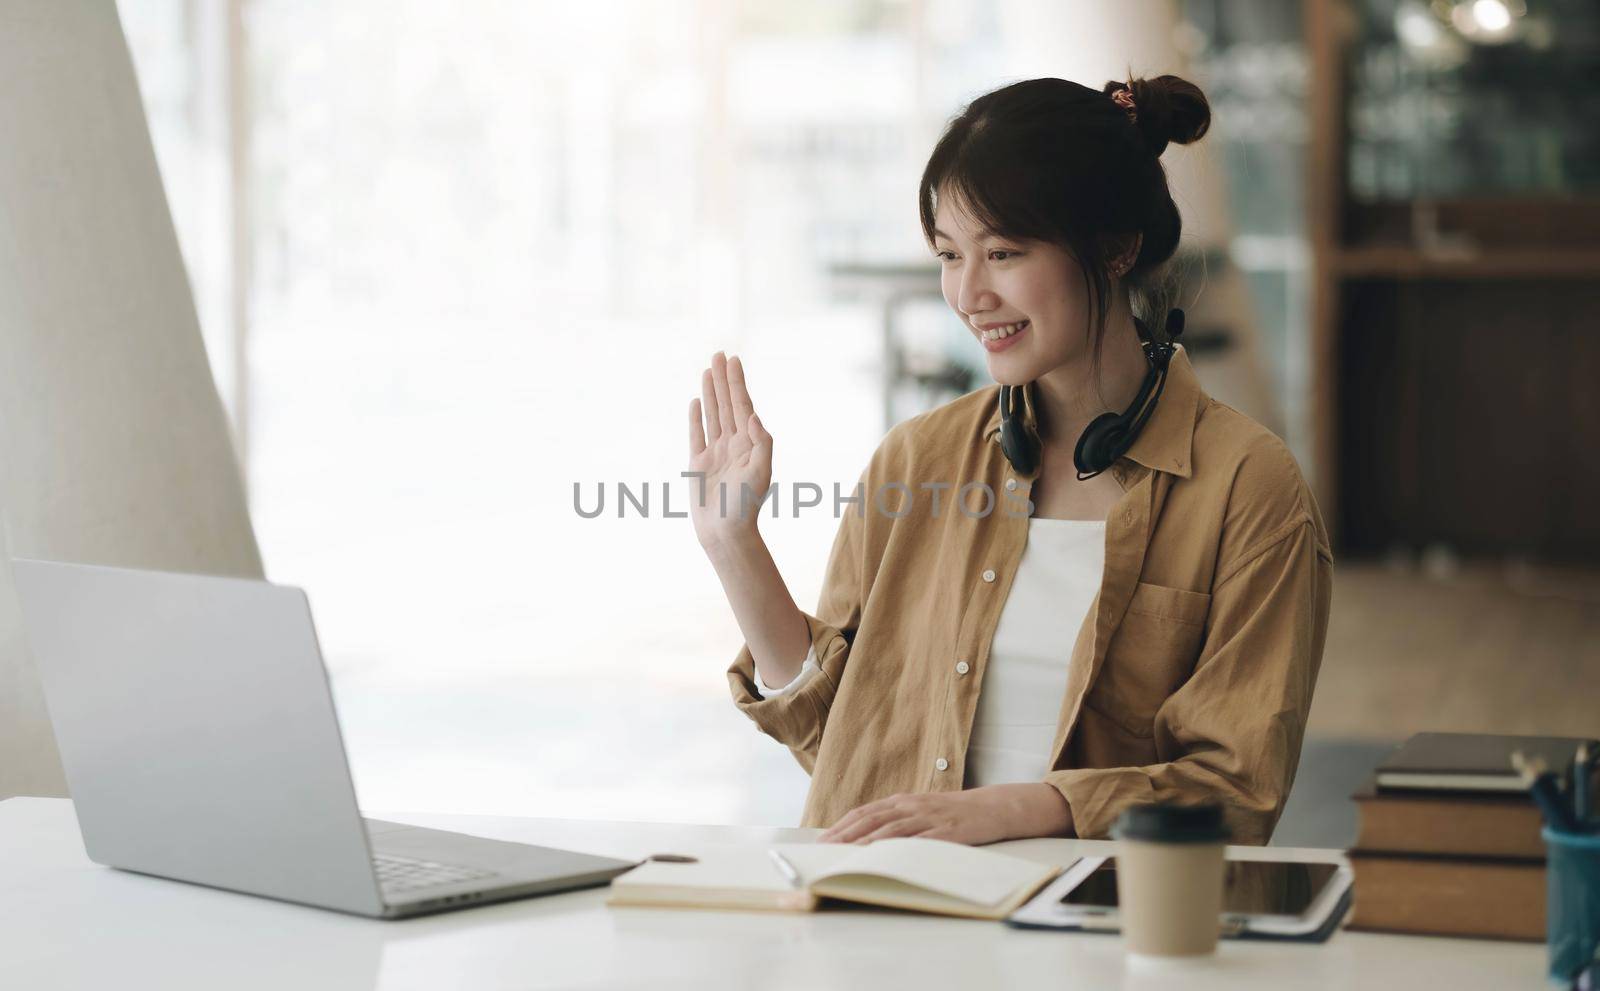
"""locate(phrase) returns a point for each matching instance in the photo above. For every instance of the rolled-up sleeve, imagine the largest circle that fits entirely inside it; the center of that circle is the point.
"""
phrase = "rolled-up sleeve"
(1232, 732)
(796, 718)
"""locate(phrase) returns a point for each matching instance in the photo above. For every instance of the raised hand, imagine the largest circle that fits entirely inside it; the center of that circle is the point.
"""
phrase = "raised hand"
(729, 445)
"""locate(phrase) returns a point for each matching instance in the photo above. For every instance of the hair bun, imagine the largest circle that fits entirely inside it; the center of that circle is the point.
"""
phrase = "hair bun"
(1169, 109)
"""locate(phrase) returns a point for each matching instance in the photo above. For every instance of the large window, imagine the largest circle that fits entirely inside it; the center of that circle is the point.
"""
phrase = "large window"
(477, 255)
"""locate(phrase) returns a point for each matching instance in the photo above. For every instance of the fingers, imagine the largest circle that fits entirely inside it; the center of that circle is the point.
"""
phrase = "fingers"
(831, 834)
(743, 408)
(904, 826)
(697, 434)
(871, 825)
(719, 379)
(725, 405)
(860, 821)
(954, 816)
(708, 402)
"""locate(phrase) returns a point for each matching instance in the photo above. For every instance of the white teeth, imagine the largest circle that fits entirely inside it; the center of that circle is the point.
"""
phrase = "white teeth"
(1005, 331)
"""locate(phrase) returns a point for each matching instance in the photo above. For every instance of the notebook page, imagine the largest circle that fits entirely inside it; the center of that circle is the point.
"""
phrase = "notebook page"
(729, 868)
(972, 874)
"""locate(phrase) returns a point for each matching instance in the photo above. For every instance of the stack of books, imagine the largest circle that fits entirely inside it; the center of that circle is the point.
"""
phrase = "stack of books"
(1449, 838)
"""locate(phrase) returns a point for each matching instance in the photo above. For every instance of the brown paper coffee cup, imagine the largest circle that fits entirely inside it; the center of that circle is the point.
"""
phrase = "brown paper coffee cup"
(1170, 878)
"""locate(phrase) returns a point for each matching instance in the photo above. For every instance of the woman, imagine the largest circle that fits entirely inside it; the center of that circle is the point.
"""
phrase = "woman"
(1143, 624)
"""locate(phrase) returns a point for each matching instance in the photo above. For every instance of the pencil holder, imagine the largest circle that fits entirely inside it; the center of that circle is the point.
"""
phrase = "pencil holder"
(1572, 900)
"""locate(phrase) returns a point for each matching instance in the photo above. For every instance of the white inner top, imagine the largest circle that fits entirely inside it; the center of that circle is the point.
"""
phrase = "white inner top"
(1026, 678)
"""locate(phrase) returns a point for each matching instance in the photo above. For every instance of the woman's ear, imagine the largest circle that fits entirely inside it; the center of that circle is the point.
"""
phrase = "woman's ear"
(1124, 252)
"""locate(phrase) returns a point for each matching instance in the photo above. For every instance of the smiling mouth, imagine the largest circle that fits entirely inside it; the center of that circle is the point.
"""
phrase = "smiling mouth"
(999, 333)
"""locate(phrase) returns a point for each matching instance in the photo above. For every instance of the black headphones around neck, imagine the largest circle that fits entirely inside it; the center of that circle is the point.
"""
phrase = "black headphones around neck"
(1110, 435)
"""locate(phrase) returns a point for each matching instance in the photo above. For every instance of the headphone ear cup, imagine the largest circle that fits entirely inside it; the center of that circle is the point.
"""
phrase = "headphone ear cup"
(1098, 446)
(1019, 445)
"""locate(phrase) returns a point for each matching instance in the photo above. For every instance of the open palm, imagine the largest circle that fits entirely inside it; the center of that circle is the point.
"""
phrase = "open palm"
(731, 448)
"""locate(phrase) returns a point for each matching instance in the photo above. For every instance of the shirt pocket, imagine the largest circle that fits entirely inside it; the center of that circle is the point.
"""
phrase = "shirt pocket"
(1150, 655)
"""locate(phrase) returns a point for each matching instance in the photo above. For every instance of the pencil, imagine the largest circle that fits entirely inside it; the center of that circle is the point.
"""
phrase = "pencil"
(1541, 785)
(786, 869)
(1580, 785)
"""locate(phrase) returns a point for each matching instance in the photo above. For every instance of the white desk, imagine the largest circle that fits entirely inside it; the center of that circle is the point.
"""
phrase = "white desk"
(68, 923)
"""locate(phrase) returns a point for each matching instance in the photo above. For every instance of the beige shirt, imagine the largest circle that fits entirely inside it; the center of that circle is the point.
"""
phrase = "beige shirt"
(1026, 674)
(1190, 680)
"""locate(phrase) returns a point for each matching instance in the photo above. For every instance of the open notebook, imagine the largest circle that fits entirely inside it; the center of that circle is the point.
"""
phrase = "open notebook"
(909, 873)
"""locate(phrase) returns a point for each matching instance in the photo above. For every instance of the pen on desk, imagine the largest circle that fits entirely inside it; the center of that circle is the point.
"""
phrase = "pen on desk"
(1580, 785)
(786, 868)
(1541, 785)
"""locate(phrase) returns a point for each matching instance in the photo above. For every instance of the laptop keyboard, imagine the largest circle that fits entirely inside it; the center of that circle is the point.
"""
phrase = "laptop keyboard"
(397, 874)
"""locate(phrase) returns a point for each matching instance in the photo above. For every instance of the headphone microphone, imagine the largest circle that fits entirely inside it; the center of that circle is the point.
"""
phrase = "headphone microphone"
(1021, 445)
(1110, 435)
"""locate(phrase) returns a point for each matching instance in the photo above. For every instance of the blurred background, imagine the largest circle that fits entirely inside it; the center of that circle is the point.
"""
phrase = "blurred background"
(455, 264)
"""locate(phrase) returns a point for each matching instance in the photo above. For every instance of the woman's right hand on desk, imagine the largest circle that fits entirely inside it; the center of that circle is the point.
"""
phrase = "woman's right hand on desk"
(731, 448)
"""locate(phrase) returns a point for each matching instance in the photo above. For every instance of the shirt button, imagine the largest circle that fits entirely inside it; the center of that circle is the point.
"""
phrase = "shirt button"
(988, 574)
(1011, 484)
(962, 668)
(942, 764)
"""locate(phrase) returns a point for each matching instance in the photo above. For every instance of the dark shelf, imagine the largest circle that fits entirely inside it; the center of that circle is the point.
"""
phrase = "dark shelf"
(1407, 262)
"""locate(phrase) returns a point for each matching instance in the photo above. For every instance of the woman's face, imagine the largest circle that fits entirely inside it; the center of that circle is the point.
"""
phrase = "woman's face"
(994, 282)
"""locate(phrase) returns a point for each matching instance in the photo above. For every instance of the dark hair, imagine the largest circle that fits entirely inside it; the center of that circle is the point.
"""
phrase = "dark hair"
(1052, 160)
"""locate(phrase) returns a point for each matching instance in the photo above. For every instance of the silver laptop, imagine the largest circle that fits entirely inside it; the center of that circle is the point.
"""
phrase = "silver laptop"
(200, 742)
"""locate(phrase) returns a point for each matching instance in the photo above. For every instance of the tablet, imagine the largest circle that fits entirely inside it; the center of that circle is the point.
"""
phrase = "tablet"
(1283, 898)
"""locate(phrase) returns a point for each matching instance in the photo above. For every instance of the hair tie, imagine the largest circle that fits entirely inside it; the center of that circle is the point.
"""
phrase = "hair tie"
(1124, 98)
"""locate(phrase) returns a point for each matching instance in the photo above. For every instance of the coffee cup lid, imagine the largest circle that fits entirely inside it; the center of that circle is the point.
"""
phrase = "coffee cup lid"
(1166, 822)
